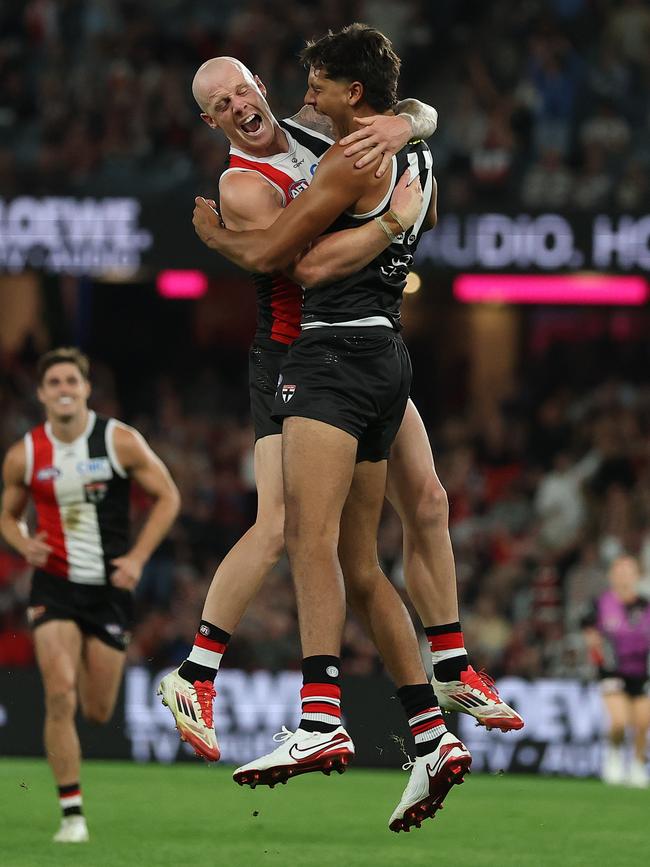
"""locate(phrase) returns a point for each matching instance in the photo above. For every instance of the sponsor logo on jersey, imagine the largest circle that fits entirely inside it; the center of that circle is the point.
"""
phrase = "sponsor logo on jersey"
(312, 169)
(46, 474)
(297, 187)
(95, 469)
(288, 392)
(95, 492)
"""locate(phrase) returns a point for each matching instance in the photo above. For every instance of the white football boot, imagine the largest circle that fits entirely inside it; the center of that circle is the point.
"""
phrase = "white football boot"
(300, 752)
(637, 775)
(613, 769)
(431, 779)
(191, 707)
(476, 694)
(73, 830)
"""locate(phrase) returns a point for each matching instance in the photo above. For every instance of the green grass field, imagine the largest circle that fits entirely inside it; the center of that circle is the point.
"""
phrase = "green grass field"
(194, 814)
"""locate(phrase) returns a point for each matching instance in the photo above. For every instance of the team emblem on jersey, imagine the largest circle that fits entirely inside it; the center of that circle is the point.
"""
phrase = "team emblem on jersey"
(288, 392)
(95, 469)
(297, 187)
(47, 474)
(398, 268)
(35, 612)
(95, 492)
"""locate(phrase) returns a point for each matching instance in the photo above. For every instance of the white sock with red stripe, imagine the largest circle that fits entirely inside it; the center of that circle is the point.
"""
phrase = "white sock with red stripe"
(320, 694)
(203, 663)
(424, 716)
(70, 799)
(448, 654)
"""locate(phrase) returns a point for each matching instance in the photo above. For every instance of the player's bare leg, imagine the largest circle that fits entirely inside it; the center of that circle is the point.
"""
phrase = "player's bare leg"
(640, 715)
(190, 694)
(58, 646)
(419, 498)
(318, 464)
(441, 760)
(370, 594)
(618, 706)
(100, 675)
(243, 569)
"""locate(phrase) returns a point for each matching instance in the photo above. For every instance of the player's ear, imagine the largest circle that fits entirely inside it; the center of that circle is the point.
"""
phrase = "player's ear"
(88, 388)
(355, 93)
(260, 84)
(39, 394)
(211, 123)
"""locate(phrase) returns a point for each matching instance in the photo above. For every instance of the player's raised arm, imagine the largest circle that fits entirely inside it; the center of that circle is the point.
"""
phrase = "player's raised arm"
(141, 464)
(14, 501)
(335, 187)
(380, 135)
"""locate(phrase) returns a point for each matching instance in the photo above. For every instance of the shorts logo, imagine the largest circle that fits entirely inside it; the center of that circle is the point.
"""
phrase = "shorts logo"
(35, 613)
(95, 492)
(204, 630)
(332, 671)
(288, 392)
(47, 474)
(113, 629)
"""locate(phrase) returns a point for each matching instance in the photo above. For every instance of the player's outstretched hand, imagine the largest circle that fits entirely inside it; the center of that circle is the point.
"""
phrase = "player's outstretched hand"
(36, 550)
(406, 201)
(381, 134)
(206, 219)
(127, 572)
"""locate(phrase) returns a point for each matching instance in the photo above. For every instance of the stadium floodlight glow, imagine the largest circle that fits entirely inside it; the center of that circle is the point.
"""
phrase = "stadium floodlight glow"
(182, 284)
(413, 283)
(550, 289)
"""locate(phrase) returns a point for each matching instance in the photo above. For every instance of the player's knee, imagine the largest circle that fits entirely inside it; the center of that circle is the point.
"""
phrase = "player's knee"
(61, 703)
(270, 535)
(430, 510)
(97, 712)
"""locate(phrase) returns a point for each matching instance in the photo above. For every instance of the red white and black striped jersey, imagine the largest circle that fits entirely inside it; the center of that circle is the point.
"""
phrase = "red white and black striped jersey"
(81, 494)
(279, 300)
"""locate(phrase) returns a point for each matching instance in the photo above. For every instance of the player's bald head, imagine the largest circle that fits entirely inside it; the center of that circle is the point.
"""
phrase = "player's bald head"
(210, 74)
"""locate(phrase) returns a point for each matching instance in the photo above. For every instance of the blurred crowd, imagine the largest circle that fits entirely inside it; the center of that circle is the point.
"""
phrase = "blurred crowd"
(543, 103)
(545, 490)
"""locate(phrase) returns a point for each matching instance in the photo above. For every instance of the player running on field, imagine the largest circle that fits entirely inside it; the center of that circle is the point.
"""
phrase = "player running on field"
(617, 631)
(77, 469)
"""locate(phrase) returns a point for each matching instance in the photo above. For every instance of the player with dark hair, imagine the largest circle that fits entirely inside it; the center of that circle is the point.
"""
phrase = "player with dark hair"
(77, 469)
(343, 391)
(617, 632)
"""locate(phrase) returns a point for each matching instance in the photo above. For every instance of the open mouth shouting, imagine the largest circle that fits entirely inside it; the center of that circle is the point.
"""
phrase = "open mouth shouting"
(252, 125)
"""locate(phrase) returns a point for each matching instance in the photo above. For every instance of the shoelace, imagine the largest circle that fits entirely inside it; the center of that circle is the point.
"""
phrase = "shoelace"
(205, 693)
(283, 735)
(482, 679)
(407, 766)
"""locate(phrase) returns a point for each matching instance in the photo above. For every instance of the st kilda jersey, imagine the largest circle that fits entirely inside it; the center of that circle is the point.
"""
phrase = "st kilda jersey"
(375, 292)
(279, 300)
(81, 495)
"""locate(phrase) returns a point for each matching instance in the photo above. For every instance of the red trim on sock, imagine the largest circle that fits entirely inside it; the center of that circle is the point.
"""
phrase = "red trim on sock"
(209, 644)
(328, 690)
(425, 727)
(450, 641)
(74, 794)
(315, 707)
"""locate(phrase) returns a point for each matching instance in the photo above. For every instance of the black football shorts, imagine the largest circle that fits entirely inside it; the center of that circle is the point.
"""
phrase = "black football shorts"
(356, 379)
(263, 372)
(103, 611)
